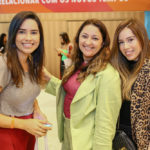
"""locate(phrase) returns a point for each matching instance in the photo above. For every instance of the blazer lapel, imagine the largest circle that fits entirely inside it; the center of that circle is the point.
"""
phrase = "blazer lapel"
(87, 86)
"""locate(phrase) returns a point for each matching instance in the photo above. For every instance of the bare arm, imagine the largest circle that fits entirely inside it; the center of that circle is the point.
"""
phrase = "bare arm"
(38, 114)
(60, 51)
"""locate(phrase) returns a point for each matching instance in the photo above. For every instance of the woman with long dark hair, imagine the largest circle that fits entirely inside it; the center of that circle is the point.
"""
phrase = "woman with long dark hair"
(20, 78)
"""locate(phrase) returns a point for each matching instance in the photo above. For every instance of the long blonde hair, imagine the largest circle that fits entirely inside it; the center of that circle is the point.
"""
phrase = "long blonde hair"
(128, 76)
(98, 62)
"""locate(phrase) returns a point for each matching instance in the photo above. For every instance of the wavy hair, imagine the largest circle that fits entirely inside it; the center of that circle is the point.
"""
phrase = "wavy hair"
(128, 76)
(35, 61)
(98, 62)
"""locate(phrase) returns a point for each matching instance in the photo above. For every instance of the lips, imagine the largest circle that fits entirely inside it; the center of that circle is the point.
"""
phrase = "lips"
(87, 48)
(129, 52)
(27, 45)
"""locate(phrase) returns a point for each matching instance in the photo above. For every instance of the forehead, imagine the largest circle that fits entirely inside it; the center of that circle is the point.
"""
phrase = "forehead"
(125, 33)
(91, 29)
(29, 24)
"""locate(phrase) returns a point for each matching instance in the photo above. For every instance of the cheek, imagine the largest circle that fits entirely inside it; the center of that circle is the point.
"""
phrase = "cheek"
(120, 48)
(37, 40)
(98, 45)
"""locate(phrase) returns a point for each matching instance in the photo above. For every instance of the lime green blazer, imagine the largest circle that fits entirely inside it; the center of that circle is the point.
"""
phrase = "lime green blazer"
(94, 110)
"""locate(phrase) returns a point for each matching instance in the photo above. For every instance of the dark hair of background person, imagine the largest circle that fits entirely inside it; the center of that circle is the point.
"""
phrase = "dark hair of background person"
(120, 62)
(35, 61)
(65, 37)
(98, 62)
(2, 43)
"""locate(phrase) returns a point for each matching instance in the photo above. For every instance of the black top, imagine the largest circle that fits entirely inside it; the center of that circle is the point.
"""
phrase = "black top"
(125, 113)
(125, 119)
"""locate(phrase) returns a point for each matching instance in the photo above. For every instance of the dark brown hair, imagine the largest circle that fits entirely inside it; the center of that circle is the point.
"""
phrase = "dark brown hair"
(65, 37)
(98, 62)
(35, 62)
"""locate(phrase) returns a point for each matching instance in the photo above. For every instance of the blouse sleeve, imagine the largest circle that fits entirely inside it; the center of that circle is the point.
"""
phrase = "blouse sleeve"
(4, 73)
(52, 85)
(107, 110)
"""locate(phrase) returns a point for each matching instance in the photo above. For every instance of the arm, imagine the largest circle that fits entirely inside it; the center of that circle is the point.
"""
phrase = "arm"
(60, 51)
(52, 82)
(52, 85)
(70, 50)
(33, 126)
(107, 110)
(38, 114)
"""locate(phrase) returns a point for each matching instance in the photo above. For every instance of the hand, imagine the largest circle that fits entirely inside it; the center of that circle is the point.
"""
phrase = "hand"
(38, 114)
(35, 127)
(58, 51)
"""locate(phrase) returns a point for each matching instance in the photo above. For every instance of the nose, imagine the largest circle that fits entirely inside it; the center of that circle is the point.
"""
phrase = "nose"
(126, 45)
(28, 36)
(88, 41)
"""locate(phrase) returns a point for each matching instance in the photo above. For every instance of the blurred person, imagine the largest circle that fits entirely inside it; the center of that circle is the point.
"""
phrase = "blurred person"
(65, 52)
(3, 40)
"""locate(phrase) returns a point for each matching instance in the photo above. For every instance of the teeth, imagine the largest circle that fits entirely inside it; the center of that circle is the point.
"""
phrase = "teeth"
(87, 48)
(129, 52)
(27, 45)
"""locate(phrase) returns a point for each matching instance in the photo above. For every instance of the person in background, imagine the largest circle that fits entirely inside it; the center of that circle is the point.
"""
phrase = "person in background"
(131, 57)
(65, 52)
(88, 97)
(3, 40)
(20, 78)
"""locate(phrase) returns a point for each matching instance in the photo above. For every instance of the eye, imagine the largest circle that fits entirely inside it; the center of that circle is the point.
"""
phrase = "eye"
(95, 38)
(34, 32)
(84, 36)
(21, 31)
(120, 43)
(130, 40)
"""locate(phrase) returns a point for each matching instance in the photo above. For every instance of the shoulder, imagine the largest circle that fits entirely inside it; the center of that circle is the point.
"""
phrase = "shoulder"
(145, 70)
(109, 71)
(5, 74)
(3, 62)
(146, 64)
(70, 46)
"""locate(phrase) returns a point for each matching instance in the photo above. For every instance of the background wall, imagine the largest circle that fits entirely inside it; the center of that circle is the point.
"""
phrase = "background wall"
(54, 23)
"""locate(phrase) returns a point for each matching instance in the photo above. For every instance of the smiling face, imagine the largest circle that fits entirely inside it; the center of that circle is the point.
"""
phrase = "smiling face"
(129, 45)
(28, 37)
(90, 41)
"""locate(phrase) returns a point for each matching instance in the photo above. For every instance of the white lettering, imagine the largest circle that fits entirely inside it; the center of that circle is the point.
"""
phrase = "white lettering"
(48, 1)
(79, 1)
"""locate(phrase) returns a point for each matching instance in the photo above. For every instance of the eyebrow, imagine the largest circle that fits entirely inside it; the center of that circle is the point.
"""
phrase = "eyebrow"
(88, 34)
(31, 29)
(129, 37)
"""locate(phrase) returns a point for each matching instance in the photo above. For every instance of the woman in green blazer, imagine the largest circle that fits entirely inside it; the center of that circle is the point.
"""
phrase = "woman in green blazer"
(88, 97)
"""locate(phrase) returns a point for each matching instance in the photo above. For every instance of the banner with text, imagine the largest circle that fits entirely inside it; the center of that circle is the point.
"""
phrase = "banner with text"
(14, 6)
